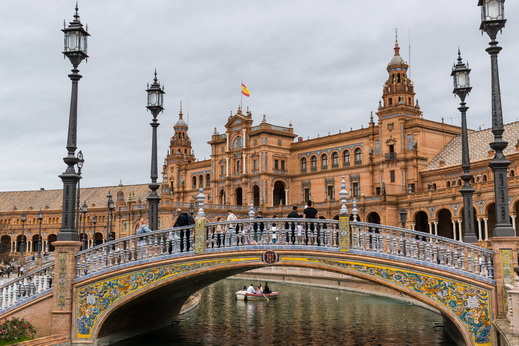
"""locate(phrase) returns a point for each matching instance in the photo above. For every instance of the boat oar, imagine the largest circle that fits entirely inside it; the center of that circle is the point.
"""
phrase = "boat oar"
(267, 298)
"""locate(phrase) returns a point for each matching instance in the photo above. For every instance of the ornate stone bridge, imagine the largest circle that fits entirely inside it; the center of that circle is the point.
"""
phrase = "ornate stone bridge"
(135, 284)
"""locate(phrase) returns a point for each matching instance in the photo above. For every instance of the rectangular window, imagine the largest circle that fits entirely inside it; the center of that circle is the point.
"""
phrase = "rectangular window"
(306, 194)
(377, 147)
(410, 142)
(355, 190)
(282, 165)
(222, 170)
(377, 191)
(255, 164)
(276, 164)
(329, 192)
(392, 177)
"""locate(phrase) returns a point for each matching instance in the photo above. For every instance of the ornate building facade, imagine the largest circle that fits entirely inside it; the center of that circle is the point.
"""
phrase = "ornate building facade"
(400, 162)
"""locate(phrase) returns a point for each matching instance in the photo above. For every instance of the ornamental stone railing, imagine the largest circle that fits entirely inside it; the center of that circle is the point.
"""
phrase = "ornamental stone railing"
(19, 290)
(280, 233)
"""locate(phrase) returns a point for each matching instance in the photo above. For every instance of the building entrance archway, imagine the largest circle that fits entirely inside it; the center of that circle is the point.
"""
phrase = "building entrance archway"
(373, 218)
(256, 195)
(239, 196)
(445, 228)
(421, 222)
(278, 196)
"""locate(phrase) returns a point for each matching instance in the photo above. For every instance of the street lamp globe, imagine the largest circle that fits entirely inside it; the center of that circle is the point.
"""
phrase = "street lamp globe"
(460, 76)
(75, 40)
(492, 10)
(84, 208)
(403, 217)
(155, 96)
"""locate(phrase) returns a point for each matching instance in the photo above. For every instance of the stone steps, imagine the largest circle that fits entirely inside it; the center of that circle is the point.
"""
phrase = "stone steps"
(57, 339)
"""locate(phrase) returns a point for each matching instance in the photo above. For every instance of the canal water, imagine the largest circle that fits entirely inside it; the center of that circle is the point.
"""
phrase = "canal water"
(302, 315)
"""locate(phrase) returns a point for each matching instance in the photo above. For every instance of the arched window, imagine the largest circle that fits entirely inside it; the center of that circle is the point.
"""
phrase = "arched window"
(335, 160)
(313, 163)
(346, 157)
(194, 183)
(484, 177)
(358, 156)
(448, 184)
(208, 180)
(238, 166)
(201, 182)
(303, 165)
(324, 161)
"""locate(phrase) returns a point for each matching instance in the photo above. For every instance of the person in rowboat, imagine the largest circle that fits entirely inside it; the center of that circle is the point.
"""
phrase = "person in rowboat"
(251, 289)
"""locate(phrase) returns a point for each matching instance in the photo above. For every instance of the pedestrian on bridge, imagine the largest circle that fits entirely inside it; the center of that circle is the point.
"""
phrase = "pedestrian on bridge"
(293, 214)
(310, 213)
(183, 220)
(143, 229)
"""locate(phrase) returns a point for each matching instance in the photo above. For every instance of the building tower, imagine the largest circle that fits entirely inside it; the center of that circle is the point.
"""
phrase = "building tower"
(180, 153)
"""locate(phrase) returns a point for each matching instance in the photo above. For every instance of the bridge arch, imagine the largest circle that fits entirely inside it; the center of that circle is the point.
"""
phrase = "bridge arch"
(106, 305)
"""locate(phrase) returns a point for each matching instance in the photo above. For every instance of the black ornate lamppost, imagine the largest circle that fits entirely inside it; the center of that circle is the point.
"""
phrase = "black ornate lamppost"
(76, 51)
(84, 211)
(155, 106)
(111, 207)
(22, 242)
(94, 221)
(40, 220)
(460, 74)
(492, 22)
(403, 217)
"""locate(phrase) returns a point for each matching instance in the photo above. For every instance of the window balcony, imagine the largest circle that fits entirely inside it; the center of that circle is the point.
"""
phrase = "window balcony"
(390, 156)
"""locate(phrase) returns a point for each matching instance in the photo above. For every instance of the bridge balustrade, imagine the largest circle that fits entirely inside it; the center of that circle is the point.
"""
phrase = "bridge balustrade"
(315, 234)
(18, 290)
(416, 245)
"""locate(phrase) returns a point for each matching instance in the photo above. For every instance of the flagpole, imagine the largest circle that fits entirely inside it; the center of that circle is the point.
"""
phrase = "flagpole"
(241, 95)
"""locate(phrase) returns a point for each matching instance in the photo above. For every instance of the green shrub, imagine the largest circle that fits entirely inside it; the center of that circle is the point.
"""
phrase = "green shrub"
(16, 329)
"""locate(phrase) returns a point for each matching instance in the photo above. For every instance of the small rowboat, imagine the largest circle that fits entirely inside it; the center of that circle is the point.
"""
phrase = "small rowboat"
(243, 295)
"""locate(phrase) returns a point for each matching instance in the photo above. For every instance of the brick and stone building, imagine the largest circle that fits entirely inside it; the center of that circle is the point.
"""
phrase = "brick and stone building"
(399, 161)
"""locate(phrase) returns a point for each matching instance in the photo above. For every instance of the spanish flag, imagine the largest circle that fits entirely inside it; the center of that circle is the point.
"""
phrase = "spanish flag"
(244, 90)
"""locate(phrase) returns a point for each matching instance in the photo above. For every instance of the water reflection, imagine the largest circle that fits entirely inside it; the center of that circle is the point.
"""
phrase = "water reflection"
(302, 315)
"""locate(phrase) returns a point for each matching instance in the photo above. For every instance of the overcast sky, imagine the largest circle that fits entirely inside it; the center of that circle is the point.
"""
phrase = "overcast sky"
(318, 64)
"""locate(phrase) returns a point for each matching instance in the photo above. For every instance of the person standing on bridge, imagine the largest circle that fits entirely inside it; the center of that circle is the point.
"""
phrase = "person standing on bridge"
(310, 213)
(183, 220)
(291, 239)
